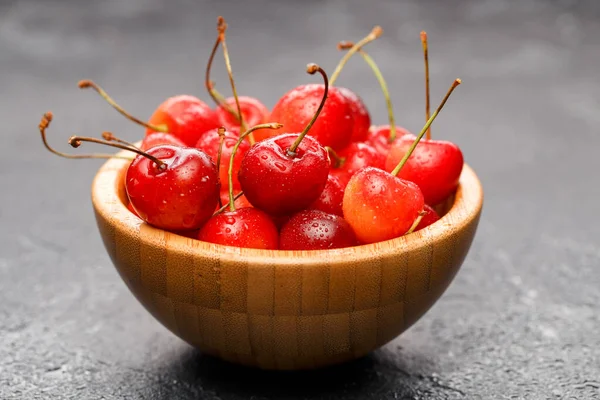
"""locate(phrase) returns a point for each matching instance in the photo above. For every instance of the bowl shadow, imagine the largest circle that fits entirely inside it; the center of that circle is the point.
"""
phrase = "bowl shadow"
(381, 374)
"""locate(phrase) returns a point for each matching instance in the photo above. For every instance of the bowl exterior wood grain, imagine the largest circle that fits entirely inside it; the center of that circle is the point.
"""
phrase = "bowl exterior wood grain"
(284, 309)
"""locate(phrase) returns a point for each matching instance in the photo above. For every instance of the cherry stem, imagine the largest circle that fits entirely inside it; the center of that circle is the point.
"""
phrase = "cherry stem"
(222, 28)
(272, 125)
(221, 133)
(75, 141)
(109, 136)
(426, 59)
(376, 32)
(45, 123)
(224, 207)
(427, 124)
(416, 222)
(338, 161)
(84, 84)
(384, 88)
(210, 85)
(311, 69)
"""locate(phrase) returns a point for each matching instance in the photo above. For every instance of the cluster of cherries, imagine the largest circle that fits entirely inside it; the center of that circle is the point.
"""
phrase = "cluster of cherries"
(312, 173)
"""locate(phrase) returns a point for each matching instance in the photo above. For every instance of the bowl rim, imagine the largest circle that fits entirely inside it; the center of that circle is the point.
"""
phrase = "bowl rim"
(108, 205)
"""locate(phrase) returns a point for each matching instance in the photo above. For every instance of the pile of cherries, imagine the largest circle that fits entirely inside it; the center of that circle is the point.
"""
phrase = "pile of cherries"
(312, 173)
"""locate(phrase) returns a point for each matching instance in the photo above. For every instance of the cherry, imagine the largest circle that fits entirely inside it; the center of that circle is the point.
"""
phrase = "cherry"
(210, 143)
(316, 230)
(240, 202)
(169, 187)
(330, 200)
(253, 111)
(379, 137)
(287, 173)
(183, 116)
(244, 227)
(429, 217)
(435, 165)
(130, 208)
(160, 138)
(355, 157)
(380, 206)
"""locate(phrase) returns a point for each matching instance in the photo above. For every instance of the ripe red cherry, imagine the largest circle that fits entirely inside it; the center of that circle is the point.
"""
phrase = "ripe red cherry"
(355, 157)
(380, 206)
(335, 124)
(210, 143)
(160, 138)
(244, 227)
(360, 115)
(330, 200)
(180, 193)
(286, 173)
(429, 217)
(381, 139)
(316, 230)
(130, 208)
(435, 166)
(185, 117)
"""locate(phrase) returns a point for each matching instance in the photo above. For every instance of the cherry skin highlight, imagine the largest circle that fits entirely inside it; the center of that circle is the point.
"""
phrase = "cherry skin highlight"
(429, 218)
(244, 227)
(435, 166)
(335, 124)
(185, 117)
(209, 143)
(360, 115)
(356, 156)
(160, 138)
(316, 230)
(181, 196)
(380, 206)
(330, 200)
(278, 183)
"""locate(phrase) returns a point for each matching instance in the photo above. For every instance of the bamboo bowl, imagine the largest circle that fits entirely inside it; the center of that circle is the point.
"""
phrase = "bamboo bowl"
(284, 309)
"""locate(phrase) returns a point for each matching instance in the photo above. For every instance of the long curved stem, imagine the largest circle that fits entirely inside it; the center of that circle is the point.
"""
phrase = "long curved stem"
(75, 141)
(311, 69)
(426, 60)
(427, 124)
(376, 32)
(84, 84)
(273, 125)
(45, 123)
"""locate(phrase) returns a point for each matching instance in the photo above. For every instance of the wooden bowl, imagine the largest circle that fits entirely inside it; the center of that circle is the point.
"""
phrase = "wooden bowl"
(284, 309)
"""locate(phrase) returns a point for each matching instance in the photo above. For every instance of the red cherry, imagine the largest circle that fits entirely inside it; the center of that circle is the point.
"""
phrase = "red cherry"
(130, 208)
(355, 157)
(316, 230)
(286, 173)
(279, 184)
(179, 194)
(335, 124)
(429, 217)
(330, 200)
(380, 206)
(210, 142)
(244, 227)
(240, 202)
(360, 115)
(435, 166)
(280, 220)
(160, 138)
(185, 117)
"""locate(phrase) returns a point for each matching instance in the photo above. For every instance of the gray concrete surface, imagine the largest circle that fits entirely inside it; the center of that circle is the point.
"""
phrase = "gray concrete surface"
(520, 321)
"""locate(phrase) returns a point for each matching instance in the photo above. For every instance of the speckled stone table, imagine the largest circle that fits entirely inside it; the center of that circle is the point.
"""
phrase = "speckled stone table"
(521, 319)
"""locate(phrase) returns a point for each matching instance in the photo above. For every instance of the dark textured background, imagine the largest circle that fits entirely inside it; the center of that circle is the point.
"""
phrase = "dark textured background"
(521, 320)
